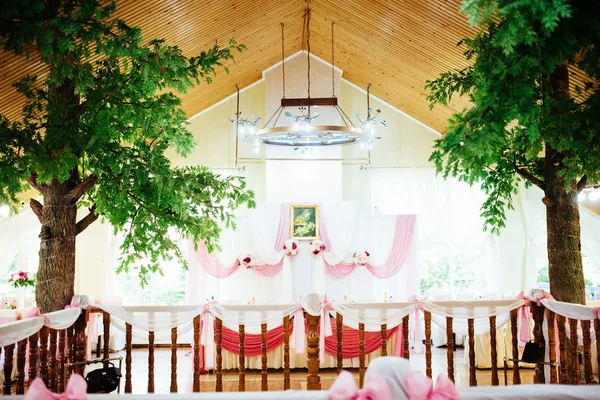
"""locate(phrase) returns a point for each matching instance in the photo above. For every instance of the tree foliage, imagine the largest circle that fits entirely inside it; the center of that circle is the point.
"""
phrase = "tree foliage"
(514, 116)
(103, 114)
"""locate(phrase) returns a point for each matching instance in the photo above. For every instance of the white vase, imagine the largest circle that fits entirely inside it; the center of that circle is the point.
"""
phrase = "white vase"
(21, 297)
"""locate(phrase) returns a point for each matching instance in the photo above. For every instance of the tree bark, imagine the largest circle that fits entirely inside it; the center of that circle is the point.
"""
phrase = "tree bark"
(56, 272)
(565, 268)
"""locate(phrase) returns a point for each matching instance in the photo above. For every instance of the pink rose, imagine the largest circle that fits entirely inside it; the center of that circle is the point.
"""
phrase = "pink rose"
(294, 246)
(247, 260)
(22, 277)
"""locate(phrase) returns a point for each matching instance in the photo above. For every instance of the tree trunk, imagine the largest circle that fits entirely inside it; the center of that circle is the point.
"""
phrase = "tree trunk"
(56, 272)
(565, 268)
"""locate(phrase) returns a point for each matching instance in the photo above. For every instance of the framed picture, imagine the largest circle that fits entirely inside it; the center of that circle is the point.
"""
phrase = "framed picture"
(304, 222)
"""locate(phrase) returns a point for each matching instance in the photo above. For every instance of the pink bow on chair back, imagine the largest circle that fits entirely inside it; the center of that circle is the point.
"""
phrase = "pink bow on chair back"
(420, 387)
(298, 331)
(344, 388)
(76, 390)
(597, 312)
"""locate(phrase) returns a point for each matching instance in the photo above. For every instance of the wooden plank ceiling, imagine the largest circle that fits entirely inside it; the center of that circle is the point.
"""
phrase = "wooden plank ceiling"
(394, 44)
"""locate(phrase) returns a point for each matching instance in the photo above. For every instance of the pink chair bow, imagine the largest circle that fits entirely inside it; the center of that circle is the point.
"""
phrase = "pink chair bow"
(298, 331)
(324, 327)
(420, 387)
(73, 304)
(597, 312)
(76, 390)
(344, 388)
(416, 333)
(34, 312)
(523, 325)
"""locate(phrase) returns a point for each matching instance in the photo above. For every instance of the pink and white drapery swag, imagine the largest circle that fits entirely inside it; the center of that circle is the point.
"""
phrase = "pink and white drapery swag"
(261, 233)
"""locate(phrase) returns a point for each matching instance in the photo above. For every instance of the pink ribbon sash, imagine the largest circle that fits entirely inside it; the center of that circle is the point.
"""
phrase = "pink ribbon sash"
(523, 321)
(324, 327)
(344, 388)
(298, 333)
(416, 333)
(207, 336)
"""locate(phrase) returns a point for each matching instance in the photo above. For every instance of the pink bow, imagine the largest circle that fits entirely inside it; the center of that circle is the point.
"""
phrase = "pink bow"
(325, 327)
(76, 390)
(416, 333)
(298, 331)
(597, 312)
(73, 304)
(523, 325)
(420, 387)
(344, 388)
(34, 312)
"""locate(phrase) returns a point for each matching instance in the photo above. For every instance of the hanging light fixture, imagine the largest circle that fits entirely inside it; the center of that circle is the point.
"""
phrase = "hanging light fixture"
(304, 131)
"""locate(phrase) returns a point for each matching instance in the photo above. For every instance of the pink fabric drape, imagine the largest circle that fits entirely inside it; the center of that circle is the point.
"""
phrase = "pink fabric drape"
(213, 266)
(403, 236)
(252, 342)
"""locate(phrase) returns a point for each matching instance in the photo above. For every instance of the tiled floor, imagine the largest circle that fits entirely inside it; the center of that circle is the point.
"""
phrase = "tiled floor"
(162, 373)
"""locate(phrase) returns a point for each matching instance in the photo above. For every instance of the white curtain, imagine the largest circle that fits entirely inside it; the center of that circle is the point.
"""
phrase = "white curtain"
(535, 221)
(19, 239)
(448, 210)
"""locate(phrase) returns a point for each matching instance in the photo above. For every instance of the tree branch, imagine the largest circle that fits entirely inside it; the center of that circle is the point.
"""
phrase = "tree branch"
(78, 191)
(581, 184)
(527, 175)
(32, 180)
(86, 221)
(37, 209)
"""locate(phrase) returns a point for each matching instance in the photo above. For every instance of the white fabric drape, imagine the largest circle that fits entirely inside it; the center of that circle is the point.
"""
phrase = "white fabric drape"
(14, 332)
(479, 311)
(152, 318)
(62, 319)
(373, 315)
(252, 316)
(304, 273)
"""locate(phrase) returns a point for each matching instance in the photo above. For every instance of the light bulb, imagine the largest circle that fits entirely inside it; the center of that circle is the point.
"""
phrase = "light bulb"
(4, 211)
(367, 126)
(308, 127)
(362, 145)
(370, 145)
(296, 126)
(256, 149)
(581, 197)
(242, 129)
(594, 195)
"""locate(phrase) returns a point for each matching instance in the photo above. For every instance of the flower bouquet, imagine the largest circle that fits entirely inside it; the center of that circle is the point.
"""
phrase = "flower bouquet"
(291, 247)
(245, 261)
(361, 258)
(22, 279)
(316, 246)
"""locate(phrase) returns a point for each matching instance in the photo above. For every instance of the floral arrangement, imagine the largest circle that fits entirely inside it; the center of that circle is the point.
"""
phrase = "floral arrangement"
(361, 258)
(291, 247)
(22, 279)
(316, 246)
(244, 261)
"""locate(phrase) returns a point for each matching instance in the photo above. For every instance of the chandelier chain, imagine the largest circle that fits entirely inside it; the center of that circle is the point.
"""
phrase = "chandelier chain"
(308, 53)
(332, 63)
(283, 59)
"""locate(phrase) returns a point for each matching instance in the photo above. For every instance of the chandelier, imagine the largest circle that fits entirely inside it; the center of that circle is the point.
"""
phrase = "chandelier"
(304, 130)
